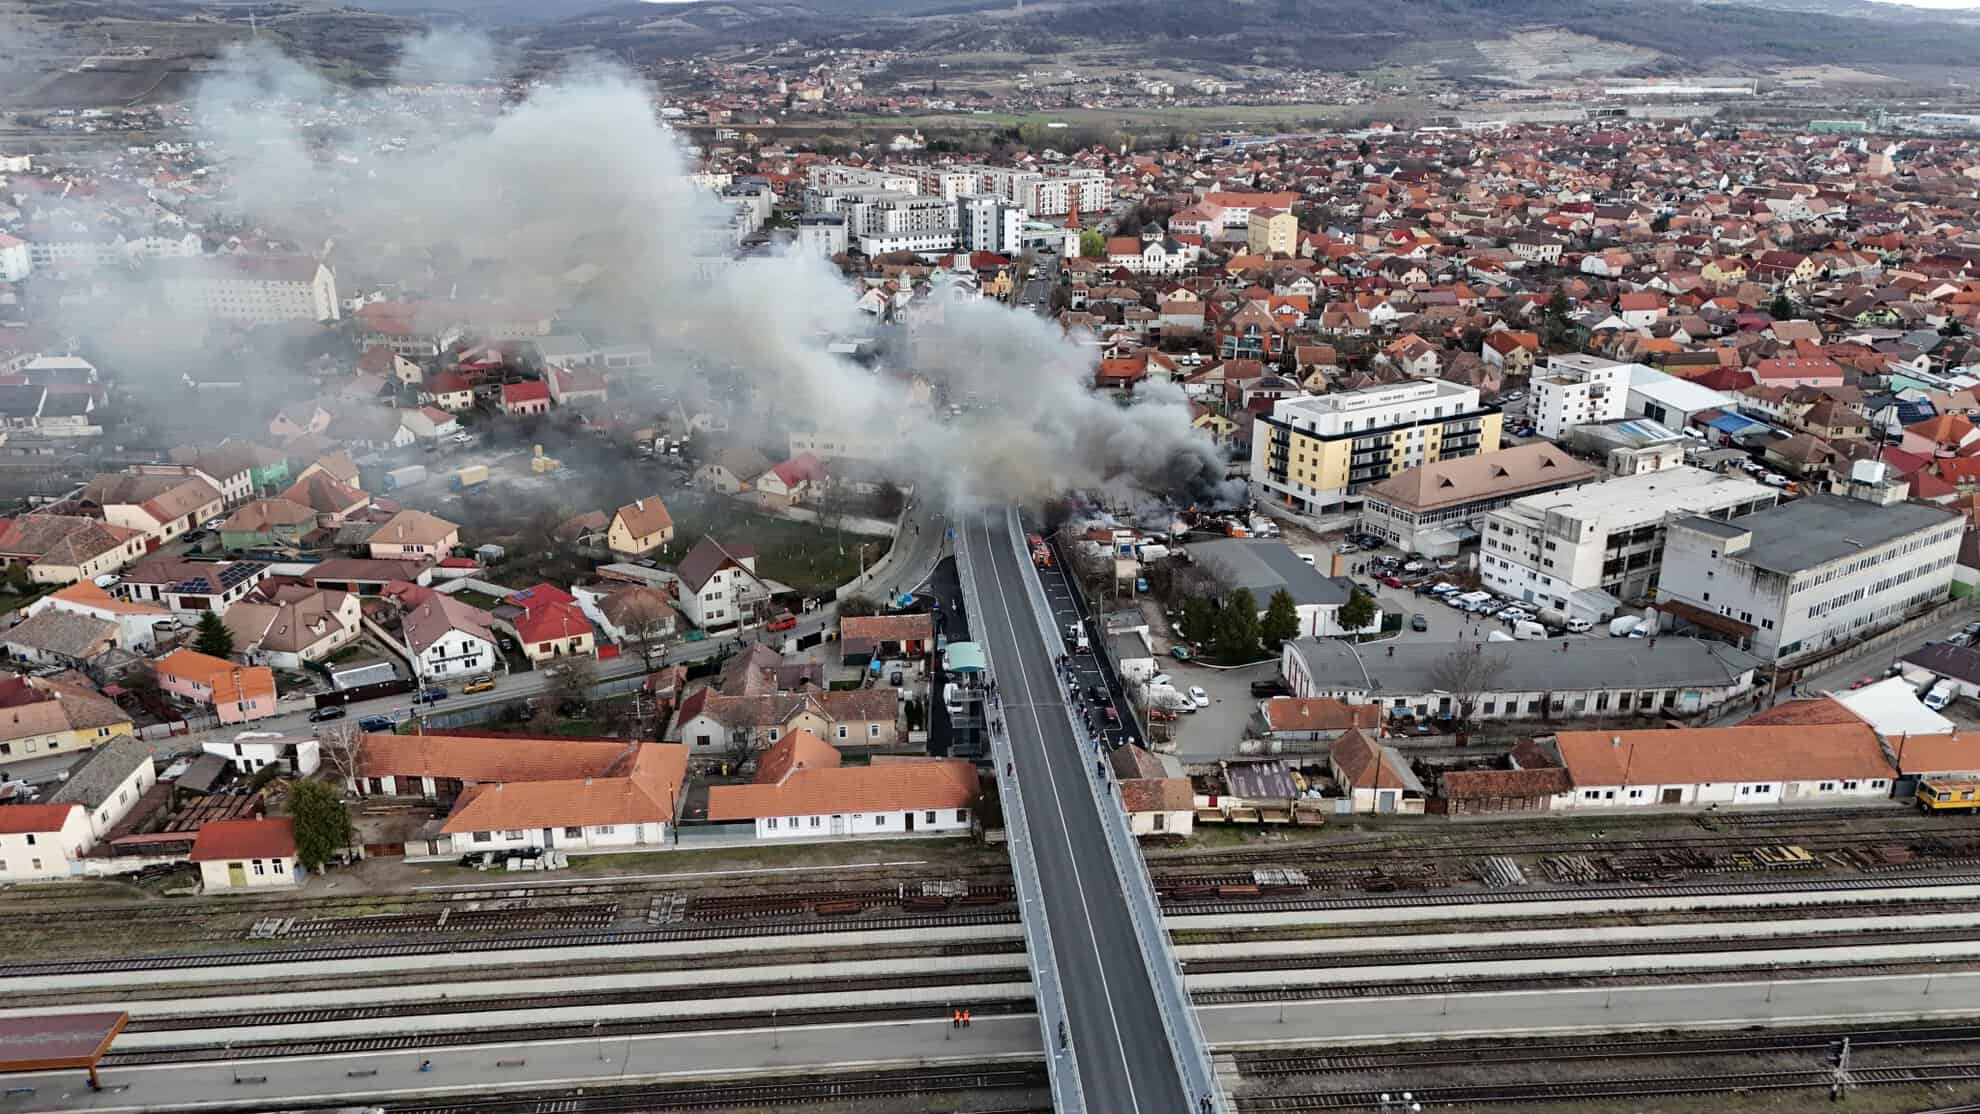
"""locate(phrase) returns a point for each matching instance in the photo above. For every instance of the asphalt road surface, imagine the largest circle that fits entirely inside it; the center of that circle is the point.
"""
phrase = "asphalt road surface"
(1125, 1063)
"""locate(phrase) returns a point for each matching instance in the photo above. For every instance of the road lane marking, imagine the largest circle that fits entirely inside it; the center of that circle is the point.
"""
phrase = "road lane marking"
(1058, 803)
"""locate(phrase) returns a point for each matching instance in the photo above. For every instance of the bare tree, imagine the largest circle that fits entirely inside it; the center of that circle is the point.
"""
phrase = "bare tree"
(646, 623)
(741, 749)
(342, 745)
(1466, 674)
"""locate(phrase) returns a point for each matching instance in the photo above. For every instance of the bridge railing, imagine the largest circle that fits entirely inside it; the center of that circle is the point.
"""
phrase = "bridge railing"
(1062, 1063)
(1179, 1024)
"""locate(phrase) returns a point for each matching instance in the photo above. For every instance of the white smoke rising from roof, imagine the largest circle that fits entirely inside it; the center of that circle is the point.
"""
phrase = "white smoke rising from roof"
(582, 171)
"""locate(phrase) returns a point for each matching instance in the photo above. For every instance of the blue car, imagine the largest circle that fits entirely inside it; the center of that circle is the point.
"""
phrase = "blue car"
(376, 723)
(430, 696)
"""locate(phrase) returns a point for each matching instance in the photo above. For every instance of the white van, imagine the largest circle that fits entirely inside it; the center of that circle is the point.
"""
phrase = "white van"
(1526, 630)
(1472, 601)
(952, 698)
(1940, 696)
(1621, 625)
(1579, 626)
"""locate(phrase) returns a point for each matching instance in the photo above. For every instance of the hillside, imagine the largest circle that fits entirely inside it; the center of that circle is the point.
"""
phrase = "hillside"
(1333, 34)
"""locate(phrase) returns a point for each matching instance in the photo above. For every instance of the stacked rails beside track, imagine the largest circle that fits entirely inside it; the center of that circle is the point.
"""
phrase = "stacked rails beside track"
(1442, 1054)
(1230, 904)
(962, 918)
(1585, 1090)
(1516, 952)
(605, 1029)
(853, 1087)
(433, 1007)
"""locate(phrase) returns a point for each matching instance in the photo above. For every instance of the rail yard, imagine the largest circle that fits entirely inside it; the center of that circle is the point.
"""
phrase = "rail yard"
(1789, 955)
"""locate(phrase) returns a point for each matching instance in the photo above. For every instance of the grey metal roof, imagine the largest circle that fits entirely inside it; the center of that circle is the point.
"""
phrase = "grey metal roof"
(1543, 666)
(1818, 529)
(92, 780)
(1265, 566)
(1947, 660)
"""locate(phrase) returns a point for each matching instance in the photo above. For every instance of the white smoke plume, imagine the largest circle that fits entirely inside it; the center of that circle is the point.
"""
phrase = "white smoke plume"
(580, 171)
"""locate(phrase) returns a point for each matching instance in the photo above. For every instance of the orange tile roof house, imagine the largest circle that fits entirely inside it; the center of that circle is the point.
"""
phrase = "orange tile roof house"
(246, 854)
(802, 793)
(1293, 719)
(1744, 765)
(237, 693)
(571, 794)
(633, 806)
(639, 528)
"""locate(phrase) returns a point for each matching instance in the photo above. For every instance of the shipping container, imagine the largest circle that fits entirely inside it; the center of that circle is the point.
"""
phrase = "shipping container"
(405, 477)
(470, 476)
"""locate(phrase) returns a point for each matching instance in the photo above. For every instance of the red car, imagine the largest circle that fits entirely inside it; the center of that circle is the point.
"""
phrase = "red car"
(1393, 581)
(783, 622)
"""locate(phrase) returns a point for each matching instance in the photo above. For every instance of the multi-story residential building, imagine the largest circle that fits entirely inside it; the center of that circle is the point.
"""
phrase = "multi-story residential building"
(1795, 580)
(1272, 232)
(1318, 453)
(1575, 389)
(821, 179)
(15, 259)
(985, 222)
(718, 584)
(882, 221)
(1421, 509)
(1584, 552)
(447, 638)
(944, 182)
(255, 289)
(1047, 192)
(822, 234)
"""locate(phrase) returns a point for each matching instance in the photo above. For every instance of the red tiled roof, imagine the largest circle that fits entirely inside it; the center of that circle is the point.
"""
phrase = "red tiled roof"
(272, 837)
(23, 819)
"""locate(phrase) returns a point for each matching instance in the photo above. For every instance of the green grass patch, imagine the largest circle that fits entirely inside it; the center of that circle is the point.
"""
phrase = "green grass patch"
(473, 598)
(804, 555)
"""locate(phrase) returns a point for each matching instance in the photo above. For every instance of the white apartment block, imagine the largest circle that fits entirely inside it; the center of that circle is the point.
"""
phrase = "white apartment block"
(1586, 550)
(1574, 390)
(1046, 192)
(15, 259)
(821, 181)
(1804, 577)
(822, 235)
(985, 222)
(255, 289)
(944, 182)
(881, 221)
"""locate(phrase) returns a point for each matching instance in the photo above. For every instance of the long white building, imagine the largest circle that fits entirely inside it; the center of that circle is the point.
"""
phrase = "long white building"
(257, 289)
(1798, 579)
(1587, 550)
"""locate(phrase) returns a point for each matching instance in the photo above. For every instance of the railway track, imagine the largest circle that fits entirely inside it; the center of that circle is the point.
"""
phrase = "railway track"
(551, 1031)
(1447, 1054)
(1489, 984)
(433, 1007)
(1426, 848)
(1223, 906)
(188, 960)
(1513, 952)
(834, 1088)
(1584, 1090)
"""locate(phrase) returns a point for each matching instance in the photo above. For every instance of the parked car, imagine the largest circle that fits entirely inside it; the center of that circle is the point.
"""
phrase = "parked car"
(1392, 580)
(376, 723)
(1112, 717)
(1273, 687)
(483, 683)
(1096, 694)
(1198, 697)
(784, 621)
(325, 715)
(432, 695)
(1417, 622)
(1180, 653)
(1160, 679)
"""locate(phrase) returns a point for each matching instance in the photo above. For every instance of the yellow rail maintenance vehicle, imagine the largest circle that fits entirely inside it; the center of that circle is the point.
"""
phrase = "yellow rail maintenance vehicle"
(1948, 795)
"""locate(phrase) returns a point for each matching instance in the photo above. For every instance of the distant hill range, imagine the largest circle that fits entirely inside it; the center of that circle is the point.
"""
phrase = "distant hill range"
(1517, 40)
